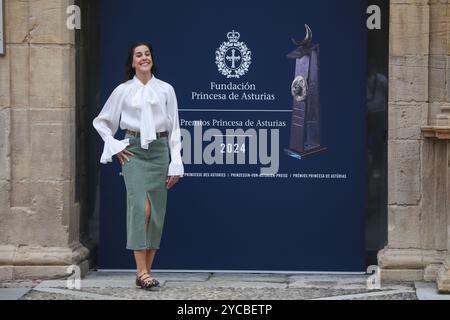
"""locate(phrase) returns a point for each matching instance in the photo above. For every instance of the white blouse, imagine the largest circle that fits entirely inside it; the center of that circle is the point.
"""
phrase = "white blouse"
(149, 109)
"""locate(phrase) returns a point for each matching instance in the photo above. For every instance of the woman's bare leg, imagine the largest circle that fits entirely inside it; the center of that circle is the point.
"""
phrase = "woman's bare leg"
(141, 261)
(144, 260)
(149, 259)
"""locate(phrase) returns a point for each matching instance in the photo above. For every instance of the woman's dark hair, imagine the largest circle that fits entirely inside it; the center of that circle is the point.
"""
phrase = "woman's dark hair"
(130, 72)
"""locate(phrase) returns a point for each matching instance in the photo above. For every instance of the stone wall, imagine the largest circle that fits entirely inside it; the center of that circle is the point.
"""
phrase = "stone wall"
(39, 219)
(39, 216)
(418, 205)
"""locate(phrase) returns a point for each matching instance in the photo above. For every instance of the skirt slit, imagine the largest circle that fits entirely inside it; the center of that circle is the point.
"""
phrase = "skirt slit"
(144, 176)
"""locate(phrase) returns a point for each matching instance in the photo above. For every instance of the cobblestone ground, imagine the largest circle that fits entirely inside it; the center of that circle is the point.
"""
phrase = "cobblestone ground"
(215, 294)
(217, 286)
(19, 284)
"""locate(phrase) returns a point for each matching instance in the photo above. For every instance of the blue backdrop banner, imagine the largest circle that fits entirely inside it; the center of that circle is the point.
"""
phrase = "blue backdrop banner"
(273, 132)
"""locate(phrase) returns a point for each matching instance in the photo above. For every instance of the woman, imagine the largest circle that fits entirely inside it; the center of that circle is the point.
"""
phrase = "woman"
(147, 109)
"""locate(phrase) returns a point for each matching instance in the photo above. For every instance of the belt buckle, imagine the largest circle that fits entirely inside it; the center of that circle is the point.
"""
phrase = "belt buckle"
(161, 134)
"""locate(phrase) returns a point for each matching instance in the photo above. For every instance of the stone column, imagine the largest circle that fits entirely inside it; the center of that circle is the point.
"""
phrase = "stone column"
(443, 276)
(418, 166)
(438, 130)
(403, 257)
(39, 216)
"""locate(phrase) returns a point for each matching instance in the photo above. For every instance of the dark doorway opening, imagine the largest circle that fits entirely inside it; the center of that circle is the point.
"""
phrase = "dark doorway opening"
(377, 135)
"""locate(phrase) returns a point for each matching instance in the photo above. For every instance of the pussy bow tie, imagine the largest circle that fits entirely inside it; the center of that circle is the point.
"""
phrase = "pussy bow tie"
(146, 98)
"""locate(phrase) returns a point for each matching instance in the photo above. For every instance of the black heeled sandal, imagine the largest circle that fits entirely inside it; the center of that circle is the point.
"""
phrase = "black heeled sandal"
(145, 281)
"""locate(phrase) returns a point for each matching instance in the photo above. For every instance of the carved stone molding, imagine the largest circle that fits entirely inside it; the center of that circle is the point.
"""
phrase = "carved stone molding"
(437, 132)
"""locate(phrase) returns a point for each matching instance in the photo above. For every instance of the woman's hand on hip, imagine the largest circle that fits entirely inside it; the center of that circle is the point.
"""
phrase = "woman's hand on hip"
(123, 156)
(171, 180)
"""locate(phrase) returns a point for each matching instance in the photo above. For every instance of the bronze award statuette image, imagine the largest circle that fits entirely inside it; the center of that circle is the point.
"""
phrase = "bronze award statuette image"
(305, 127)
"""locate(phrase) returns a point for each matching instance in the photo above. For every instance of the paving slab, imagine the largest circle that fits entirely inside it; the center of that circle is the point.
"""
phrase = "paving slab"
(223, 283)
(180, 276)
(13, 293)
(375, 295)
(347, 282)
(428, 291)
(250, 277)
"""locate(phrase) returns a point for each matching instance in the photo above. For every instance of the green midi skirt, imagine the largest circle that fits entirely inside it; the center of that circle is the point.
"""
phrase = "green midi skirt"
(145, 176)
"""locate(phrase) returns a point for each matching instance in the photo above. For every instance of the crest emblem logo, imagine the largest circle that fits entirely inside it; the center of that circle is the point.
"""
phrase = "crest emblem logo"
(233, 58)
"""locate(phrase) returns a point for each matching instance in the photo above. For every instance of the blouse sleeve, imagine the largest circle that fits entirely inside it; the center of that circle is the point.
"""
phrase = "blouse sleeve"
(176, 167)
(107, 123)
